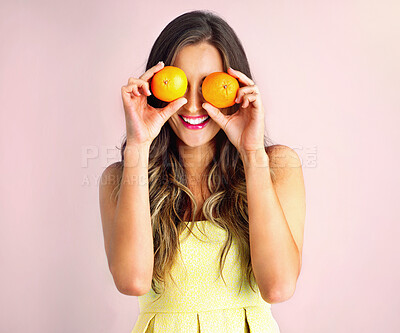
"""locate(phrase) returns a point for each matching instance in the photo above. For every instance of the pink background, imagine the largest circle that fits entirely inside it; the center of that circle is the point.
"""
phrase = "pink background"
(329, 75)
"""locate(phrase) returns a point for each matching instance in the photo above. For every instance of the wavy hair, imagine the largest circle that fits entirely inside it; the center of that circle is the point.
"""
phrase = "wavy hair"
(169, 194)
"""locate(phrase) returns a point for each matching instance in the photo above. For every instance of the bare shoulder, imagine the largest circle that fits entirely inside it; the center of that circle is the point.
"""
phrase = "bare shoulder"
(281, 155)
(290, 189)
(283, 160)
(109, 180)
(111, 174)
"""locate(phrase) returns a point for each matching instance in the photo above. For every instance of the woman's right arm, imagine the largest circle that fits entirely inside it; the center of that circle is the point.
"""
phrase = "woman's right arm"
(126, 223)
(127, 229)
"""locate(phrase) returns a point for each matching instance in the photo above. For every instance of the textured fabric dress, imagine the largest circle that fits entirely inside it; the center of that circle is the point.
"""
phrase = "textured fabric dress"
(199, 300)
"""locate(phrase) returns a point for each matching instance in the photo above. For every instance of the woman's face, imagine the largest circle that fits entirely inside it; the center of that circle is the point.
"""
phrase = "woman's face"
(197, 61)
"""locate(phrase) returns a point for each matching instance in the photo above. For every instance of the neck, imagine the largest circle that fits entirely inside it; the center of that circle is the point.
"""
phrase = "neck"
(195, 159)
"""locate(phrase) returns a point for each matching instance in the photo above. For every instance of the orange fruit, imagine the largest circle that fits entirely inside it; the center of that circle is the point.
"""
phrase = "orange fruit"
(169, 83)
(219, 89)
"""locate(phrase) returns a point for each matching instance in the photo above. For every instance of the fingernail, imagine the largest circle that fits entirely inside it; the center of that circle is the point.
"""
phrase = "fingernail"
(237, 100)
(160, 62)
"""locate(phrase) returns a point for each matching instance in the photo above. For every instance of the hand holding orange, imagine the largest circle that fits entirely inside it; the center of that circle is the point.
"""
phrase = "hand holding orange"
(245, 127)
(169, 83)
(219, 89)
(143, 121)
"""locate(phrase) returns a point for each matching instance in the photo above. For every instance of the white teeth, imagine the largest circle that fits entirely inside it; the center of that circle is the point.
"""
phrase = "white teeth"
(195, 121)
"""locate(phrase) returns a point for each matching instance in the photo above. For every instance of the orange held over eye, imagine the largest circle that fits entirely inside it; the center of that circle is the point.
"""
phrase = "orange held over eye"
(169, 83)
(219, 89)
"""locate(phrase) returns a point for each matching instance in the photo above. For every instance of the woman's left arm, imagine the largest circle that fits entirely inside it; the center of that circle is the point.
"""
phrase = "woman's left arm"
(276, 211)
(276, 219)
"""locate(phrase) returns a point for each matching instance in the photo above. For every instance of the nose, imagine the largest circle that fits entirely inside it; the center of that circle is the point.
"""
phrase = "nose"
(194, 98)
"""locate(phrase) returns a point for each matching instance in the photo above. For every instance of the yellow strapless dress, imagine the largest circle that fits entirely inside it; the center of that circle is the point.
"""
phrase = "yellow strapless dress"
(199, 301)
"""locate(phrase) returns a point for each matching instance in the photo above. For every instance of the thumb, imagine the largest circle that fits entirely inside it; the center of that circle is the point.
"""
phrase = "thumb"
(215, 114)
(172, 107)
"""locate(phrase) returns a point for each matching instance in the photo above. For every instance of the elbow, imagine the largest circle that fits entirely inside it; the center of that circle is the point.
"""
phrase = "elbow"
(278, 295)
(132, 289)
(130, 286)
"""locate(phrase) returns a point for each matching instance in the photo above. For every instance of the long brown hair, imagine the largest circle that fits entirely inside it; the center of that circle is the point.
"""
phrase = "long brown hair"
(169, 194)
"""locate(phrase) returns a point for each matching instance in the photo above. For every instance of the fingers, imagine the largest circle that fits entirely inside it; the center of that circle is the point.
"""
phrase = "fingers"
(246, 90)
(247, 99)
(151, 71)
(216, 115)
(240, 76)
(138, 87)
(171, 108)
(135, 90)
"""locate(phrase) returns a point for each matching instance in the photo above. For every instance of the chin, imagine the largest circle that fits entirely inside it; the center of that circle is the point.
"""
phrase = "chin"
(193, 141)
(193, 138)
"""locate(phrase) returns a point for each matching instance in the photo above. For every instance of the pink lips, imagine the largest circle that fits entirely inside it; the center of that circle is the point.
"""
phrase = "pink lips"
(198, 126)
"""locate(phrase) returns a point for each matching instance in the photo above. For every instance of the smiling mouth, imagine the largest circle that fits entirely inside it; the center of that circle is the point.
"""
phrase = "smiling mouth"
(194, 122)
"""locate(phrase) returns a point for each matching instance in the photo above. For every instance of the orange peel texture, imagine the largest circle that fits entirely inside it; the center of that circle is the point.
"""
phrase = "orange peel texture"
(169, 84)
(220, 89)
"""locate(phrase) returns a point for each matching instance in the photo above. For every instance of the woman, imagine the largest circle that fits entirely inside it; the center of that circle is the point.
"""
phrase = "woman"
(204, 224)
